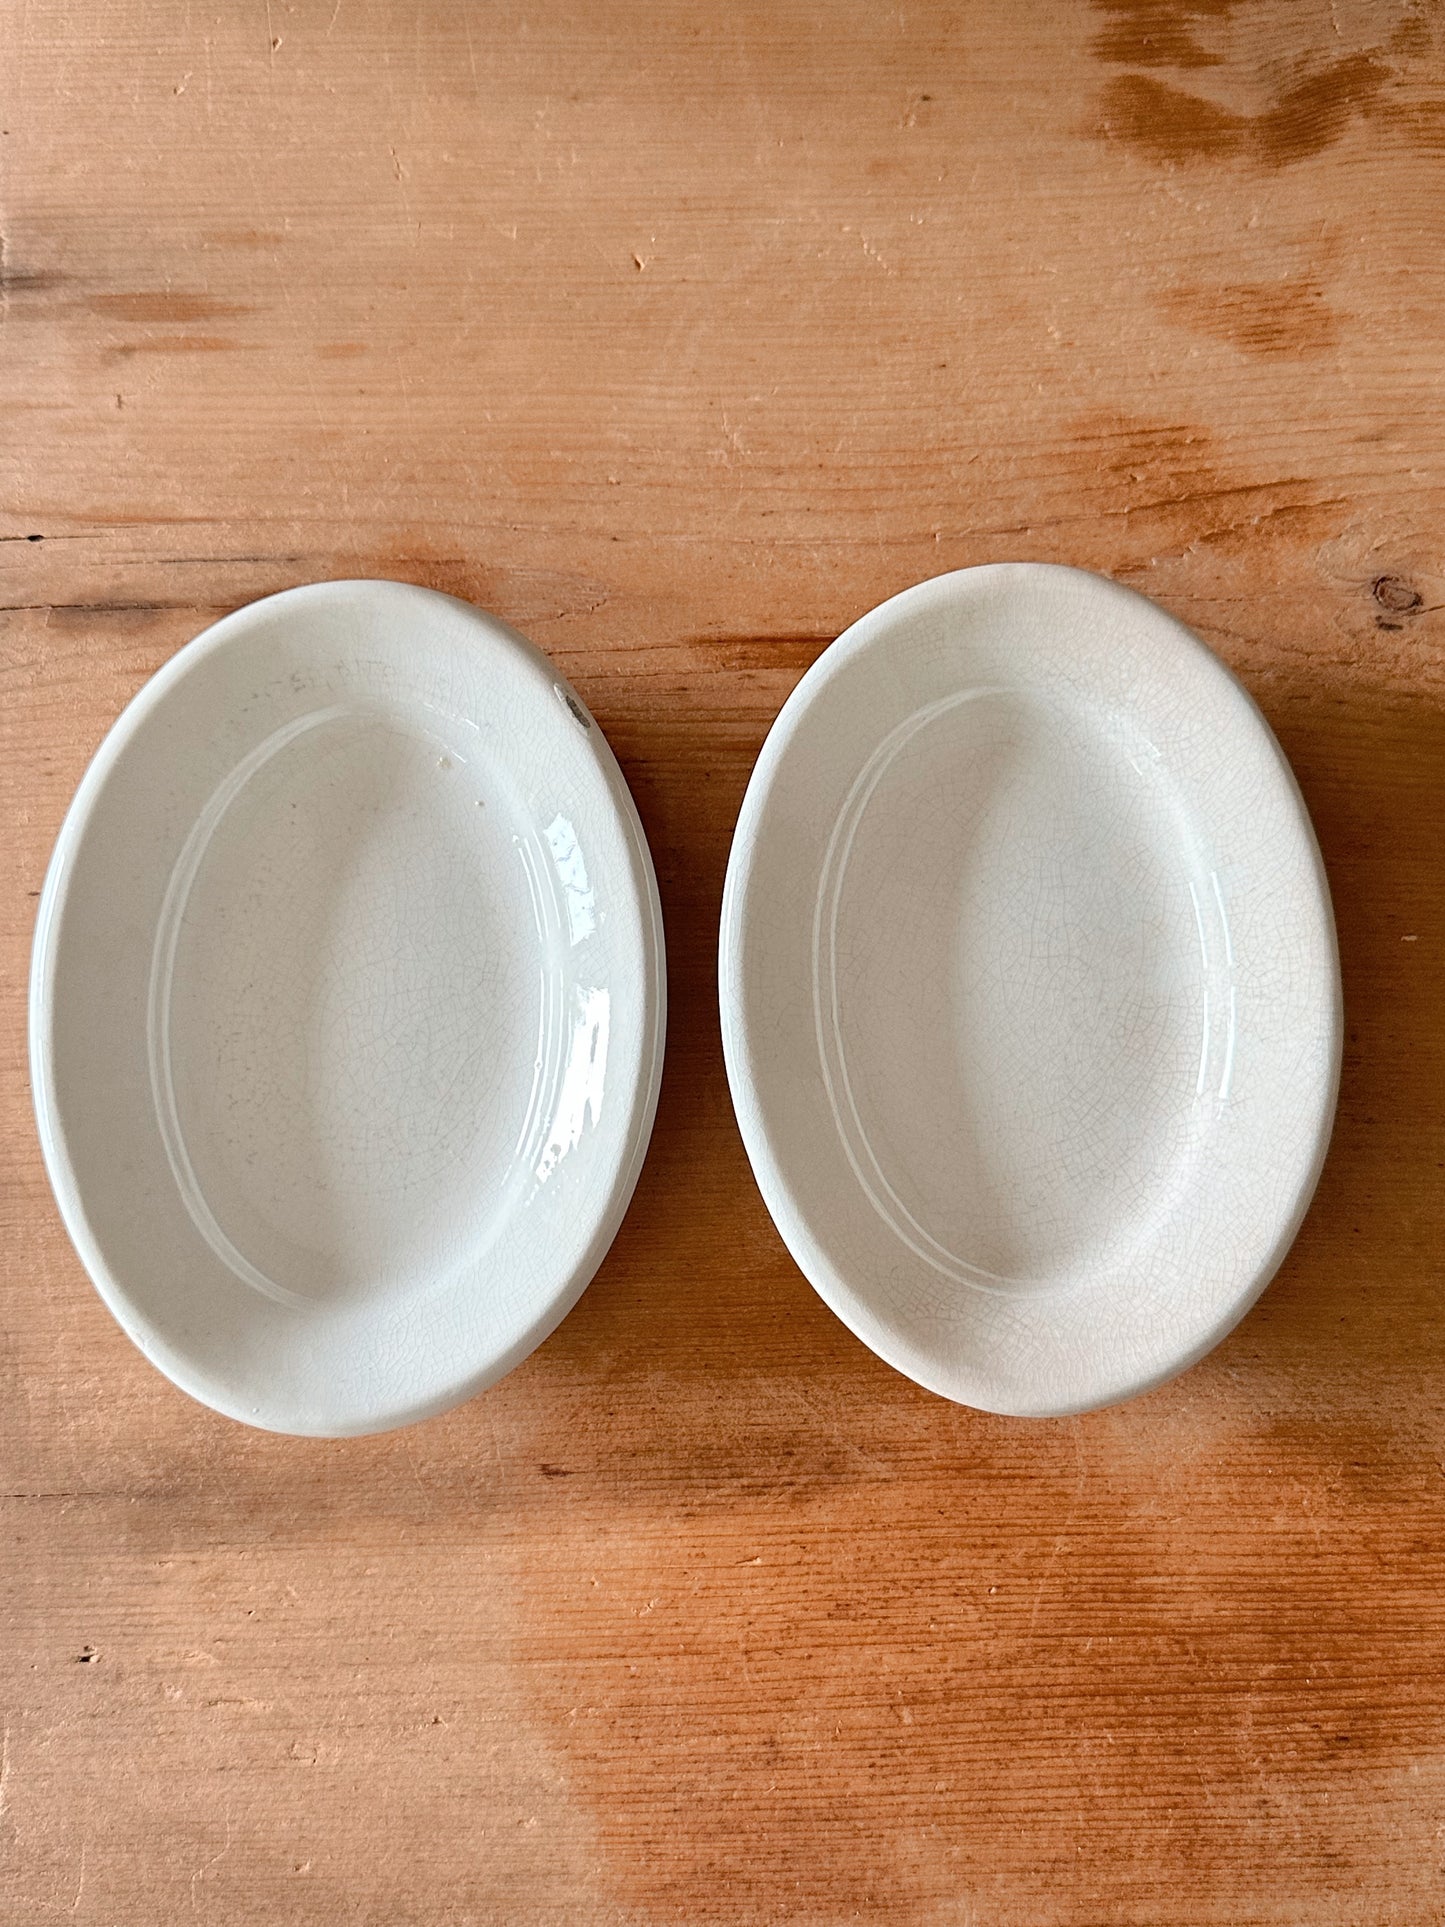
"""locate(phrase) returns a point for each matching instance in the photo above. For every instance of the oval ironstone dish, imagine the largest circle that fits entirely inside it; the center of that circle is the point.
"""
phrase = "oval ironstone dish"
(347, 1008)
(1029, 989)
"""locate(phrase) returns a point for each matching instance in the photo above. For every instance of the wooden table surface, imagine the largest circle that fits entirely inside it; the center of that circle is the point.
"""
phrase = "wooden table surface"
(679, 334)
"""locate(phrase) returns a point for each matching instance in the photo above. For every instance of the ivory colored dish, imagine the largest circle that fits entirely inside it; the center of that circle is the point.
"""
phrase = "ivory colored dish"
(1029, 989)
(347, 1008)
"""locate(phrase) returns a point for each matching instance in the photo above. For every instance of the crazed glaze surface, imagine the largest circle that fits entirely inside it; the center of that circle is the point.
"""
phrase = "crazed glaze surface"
(347, 1008)
(1029, 991)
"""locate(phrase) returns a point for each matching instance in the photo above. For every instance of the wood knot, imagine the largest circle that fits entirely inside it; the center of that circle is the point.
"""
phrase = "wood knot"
(1394, 594)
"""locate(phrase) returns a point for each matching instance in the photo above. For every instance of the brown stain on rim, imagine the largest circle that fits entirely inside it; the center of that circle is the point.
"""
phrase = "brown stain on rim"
(1273, 320)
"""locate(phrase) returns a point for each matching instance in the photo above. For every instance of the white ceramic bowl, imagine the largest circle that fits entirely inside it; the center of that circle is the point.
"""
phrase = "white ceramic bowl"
(1029, 989)
(347, 1008)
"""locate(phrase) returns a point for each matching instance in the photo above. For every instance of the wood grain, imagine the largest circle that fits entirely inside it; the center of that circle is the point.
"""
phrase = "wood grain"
(679, 335)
